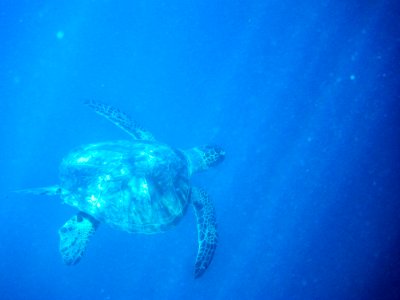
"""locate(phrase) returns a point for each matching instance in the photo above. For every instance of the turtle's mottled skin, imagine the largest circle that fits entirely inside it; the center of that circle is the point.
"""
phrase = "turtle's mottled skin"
(138, 186)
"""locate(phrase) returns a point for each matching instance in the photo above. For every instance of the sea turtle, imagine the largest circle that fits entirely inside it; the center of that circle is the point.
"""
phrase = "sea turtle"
(139, 186)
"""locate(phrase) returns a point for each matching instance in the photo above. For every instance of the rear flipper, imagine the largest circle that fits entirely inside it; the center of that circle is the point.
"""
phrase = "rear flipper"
(74, 237)
(206, 230)
(48, 190)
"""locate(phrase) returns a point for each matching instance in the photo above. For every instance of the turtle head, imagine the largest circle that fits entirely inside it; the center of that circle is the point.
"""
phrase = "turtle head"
(212, 155)
(204, 157)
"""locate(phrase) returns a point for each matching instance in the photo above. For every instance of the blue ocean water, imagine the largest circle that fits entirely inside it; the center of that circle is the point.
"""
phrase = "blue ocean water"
(302, 95)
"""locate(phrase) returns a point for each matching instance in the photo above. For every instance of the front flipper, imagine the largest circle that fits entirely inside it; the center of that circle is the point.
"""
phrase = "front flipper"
(206, 230)
(74, 237)
(121, 119)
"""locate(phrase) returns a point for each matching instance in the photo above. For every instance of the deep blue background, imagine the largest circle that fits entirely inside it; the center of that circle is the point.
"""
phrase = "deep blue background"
(303, 95)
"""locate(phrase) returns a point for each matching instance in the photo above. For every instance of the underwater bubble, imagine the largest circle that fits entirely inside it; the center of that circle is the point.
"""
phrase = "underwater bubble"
(60, 35)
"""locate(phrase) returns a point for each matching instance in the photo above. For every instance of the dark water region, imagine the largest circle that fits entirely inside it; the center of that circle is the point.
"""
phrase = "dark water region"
(302, 95)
